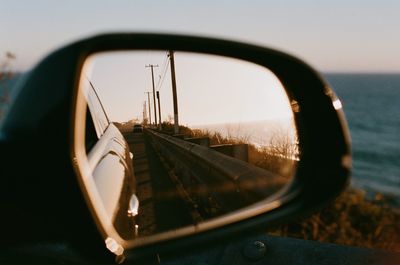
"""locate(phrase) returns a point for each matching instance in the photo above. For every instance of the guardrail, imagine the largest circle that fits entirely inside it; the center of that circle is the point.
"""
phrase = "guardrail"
(216, 182)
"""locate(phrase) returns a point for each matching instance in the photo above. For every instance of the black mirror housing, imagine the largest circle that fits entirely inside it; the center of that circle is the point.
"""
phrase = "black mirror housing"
(40, 124)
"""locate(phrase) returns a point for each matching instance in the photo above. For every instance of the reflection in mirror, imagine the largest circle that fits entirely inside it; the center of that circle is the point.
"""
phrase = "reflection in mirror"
(175, 139)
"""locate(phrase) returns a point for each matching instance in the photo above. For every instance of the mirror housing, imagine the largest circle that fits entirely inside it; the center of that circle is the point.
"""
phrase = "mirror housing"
(40, 123)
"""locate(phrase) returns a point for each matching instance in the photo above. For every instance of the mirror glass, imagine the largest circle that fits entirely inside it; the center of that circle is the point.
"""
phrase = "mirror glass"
(173, 140)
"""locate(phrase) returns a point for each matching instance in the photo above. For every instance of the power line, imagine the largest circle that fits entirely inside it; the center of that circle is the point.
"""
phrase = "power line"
(163, 66)
(164, 72)
(163, 76)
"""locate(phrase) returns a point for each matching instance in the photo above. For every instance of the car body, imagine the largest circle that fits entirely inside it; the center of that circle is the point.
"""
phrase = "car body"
(110, 161)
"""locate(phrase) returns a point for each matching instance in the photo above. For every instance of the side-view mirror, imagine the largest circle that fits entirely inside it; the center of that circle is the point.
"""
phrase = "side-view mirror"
(147, 143)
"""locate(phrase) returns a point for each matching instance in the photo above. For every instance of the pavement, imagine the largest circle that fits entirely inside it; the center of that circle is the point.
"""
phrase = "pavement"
(161, 208)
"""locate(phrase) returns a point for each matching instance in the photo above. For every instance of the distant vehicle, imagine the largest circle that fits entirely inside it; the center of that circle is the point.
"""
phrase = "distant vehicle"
(137, 128)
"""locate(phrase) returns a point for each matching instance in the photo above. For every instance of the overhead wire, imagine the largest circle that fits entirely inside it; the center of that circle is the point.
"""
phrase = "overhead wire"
(163, 66)
(164, 71)
(163, 76)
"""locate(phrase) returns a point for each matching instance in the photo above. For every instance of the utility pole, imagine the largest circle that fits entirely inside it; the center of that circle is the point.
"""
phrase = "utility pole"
(144, 120)
(154, 91)
(159, 110)
(175, 97)
(148, 100)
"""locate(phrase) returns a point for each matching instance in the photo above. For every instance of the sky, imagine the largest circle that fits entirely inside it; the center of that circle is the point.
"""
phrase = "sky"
(332, 36)
(210, 89)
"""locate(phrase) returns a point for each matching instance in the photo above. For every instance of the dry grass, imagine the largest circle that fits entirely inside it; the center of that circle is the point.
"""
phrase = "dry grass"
(351, 220)
(271, 158)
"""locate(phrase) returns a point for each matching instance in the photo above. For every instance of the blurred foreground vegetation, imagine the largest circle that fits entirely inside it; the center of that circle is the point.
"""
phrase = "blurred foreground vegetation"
(7, 78)
(352, 219)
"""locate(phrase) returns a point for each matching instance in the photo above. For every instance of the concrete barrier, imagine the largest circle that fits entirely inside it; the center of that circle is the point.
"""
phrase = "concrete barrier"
(239, 151)
(217, 182)
(204, 141)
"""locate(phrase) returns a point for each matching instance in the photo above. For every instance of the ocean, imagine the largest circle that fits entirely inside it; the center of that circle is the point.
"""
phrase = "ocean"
(371, 103)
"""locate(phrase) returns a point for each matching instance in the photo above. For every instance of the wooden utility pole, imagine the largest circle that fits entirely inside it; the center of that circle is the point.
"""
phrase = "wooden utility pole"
(148, 100)
(159, 110)
(154, 91)
(174, 94)
(144, 119)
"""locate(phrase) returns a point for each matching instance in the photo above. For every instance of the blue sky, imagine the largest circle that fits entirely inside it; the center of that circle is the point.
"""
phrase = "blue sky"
(333, 36)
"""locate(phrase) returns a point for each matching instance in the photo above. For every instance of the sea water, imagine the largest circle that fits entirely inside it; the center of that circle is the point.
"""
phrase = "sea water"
(371, 103)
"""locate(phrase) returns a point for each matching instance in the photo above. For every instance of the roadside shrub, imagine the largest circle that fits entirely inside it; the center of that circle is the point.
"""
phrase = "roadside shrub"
(351, 220)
